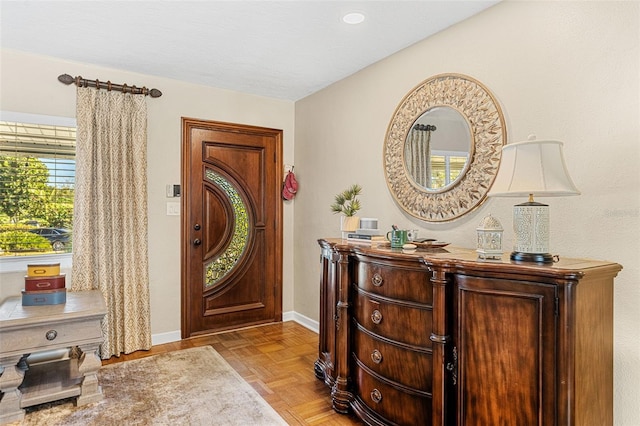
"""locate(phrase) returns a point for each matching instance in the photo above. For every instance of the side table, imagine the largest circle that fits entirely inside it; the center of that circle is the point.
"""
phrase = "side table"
(29, 329)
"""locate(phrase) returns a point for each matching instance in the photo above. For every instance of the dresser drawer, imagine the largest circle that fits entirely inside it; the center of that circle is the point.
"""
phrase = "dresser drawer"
(408, 323)
(391, 402)
(42, 337)
(391, 361)
(411, 284)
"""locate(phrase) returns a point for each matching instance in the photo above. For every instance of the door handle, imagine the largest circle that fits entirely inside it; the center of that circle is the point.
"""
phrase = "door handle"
(197, 242)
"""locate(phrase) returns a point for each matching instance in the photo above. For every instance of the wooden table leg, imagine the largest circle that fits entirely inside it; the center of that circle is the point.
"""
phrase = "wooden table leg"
(10, 380)
(88, 365)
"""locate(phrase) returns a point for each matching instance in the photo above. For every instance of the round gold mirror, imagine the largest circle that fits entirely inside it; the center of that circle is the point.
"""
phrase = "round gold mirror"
(442, 148)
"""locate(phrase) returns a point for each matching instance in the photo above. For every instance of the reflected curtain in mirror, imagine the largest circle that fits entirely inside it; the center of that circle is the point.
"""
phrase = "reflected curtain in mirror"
(418, 154)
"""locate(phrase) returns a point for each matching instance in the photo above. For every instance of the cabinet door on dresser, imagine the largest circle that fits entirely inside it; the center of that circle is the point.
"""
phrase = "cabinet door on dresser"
(506, 350)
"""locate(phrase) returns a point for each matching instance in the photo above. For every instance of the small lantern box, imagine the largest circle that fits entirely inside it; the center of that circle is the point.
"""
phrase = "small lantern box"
(44, 285)
(489, 238)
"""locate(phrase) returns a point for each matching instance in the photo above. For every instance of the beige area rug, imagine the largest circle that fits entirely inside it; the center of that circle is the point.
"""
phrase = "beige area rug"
(188, 387)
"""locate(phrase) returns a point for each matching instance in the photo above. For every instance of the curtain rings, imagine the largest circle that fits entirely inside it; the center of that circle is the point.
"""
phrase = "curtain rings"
(81, 82)
(108, 85)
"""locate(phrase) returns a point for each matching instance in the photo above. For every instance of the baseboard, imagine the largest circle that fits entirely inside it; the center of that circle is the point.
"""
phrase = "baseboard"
(171, 336)
(174, 336)
(307, 322)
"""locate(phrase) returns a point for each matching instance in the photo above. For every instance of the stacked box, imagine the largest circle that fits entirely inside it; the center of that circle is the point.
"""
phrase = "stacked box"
(44, 285)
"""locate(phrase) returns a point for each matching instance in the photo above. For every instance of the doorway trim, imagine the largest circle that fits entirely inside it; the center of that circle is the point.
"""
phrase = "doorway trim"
(188, 124)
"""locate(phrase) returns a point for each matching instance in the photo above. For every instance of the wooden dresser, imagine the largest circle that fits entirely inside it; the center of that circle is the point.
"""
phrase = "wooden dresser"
(440, 337)
(27, 330)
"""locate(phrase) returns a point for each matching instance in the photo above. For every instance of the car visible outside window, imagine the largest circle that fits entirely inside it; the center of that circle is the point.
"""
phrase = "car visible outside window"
(58, 238)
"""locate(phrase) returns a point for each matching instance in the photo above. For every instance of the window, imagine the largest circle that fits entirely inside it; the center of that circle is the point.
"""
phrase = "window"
(446, 167)
(37, 178)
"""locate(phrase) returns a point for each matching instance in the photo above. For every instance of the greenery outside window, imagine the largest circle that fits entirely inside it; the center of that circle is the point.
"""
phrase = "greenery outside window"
(37, 178)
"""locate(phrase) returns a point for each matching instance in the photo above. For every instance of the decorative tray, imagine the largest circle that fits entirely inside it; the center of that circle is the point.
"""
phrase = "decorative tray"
(430, 244)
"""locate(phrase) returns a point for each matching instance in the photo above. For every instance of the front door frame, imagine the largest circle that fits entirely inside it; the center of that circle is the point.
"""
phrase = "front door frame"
(185, 230)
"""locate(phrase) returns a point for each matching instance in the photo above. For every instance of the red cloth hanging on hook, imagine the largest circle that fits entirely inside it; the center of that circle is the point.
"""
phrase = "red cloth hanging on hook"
(290, 186)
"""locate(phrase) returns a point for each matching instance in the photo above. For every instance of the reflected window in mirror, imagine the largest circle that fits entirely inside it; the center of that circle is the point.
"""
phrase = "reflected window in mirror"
(437, 148)
(446, 168)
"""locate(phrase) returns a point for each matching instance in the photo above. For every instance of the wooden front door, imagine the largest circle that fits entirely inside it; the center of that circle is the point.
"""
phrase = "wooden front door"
(231, 226)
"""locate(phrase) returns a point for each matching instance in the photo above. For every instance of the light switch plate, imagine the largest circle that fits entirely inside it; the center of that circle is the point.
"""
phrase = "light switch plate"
(173, 208)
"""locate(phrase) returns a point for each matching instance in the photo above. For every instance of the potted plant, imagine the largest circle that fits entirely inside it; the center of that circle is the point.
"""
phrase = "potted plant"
(348, 204)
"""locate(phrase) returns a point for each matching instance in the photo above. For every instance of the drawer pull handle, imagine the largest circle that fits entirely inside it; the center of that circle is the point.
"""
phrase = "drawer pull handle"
(376, 356)
(51, 334)
(376, 317)
(377, 280)
(376, 396)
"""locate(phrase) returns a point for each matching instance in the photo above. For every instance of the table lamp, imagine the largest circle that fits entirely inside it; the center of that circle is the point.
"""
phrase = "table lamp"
(527, 169)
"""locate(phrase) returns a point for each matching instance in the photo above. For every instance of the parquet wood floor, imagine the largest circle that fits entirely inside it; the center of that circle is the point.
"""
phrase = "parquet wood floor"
(277, 360)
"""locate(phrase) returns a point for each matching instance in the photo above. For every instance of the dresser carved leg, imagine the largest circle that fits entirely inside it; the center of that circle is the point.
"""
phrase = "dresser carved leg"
(340, 396)
(88, 365)
(10, 379)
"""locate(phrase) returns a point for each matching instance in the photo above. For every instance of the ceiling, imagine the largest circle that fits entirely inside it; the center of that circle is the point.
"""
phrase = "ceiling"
(280, 49)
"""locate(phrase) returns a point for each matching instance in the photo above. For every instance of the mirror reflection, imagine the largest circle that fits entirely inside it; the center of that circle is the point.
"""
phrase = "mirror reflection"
(437, 148)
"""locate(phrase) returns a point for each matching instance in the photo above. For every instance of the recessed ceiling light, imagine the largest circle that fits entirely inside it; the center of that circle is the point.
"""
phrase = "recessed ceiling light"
(353, 18)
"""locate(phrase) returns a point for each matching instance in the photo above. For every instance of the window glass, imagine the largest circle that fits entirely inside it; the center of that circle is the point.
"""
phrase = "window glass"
(222, 264)
(37, 178)
(446, 167)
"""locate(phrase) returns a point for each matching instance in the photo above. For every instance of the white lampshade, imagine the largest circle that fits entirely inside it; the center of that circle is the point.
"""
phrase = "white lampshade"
(528, 169)
(533, 167)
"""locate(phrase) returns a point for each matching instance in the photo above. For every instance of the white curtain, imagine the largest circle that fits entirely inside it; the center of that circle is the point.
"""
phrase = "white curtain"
(110, 214)
(418, 156)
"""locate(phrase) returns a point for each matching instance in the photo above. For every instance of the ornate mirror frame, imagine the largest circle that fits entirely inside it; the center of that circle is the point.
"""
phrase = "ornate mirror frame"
(488, 131)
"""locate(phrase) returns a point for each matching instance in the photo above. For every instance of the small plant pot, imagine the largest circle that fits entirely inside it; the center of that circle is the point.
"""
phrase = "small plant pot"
(349, 223)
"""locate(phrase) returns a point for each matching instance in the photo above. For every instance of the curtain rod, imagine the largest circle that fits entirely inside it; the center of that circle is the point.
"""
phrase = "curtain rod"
(83, 82)
(425, 127)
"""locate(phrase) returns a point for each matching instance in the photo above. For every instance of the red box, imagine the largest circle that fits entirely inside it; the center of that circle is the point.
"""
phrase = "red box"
(44, 283)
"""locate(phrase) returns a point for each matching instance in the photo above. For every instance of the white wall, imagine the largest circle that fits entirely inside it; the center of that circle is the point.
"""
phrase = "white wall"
(562, 70)
(29, 85)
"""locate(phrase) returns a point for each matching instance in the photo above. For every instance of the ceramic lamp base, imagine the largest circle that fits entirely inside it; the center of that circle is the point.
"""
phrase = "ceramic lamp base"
(531, 229)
